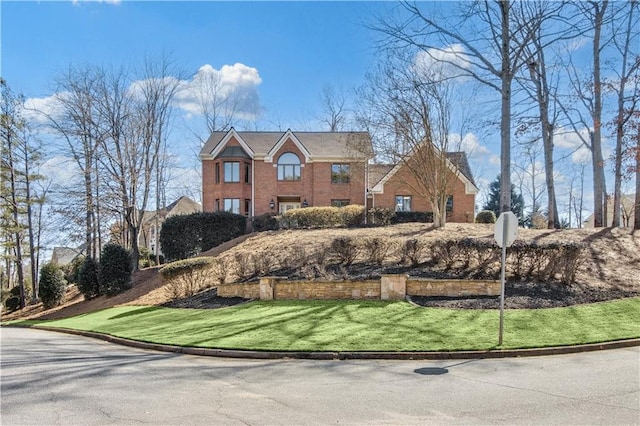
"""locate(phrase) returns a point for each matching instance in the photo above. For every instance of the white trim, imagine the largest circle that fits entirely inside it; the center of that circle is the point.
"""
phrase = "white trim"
(223, 142)
(469, 187)
(287, 135)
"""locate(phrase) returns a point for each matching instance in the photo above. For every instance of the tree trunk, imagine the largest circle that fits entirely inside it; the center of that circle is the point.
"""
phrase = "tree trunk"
(32, 246)
(599, 189)
(16, 219)
(636, 219)
(505, 122)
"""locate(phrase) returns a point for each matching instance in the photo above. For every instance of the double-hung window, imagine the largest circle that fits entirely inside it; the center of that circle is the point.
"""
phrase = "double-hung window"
(288, 167)
(403, 203)
(232, 205)
(340, 173)
(231, 171)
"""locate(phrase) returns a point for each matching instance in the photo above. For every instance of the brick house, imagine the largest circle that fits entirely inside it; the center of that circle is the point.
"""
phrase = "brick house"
(148, 231)
(391, 187)
(252, 173)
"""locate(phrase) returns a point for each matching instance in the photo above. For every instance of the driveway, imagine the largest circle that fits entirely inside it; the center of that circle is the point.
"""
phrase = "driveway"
(52, 378)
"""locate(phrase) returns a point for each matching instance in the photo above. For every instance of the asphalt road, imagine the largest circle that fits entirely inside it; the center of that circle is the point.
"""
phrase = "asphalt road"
(50, 378)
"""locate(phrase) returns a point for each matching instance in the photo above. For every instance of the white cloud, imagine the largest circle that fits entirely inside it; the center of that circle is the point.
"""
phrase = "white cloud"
(233, 88)
(444, 63)
(470, 145)
(568, 138)
(62, 171)
(114, 2)
(37, 110)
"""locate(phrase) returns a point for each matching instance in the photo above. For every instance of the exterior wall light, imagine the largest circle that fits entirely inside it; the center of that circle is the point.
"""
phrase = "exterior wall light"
(272, 204)
(304, 203)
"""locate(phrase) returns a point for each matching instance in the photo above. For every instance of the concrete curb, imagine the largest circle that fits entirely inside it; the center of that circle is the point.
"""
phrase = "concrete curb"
(233, 353)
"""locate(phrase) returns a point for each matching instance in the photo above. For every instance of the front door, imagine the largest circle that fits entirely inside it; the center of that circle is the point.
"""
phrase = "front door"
(283, 206)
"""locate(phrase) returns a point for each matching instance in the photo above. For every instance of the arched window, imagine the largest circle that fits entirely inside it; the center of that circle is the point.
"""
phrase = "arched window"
(288, 167)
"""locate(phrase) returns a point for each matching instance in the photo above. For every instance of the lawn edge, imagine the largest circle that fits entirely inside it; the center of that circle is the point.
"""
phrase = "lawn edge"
(347, 355)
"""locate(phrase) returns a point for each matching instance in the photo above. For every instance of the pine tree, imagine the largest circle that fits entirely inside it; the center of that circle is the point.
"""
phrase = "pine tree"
(493, 201)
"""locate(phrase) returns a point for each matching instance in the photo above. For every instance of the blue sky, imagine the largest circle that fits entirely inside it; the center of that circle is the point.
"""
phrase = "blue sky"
(282, 53)
(296, 47)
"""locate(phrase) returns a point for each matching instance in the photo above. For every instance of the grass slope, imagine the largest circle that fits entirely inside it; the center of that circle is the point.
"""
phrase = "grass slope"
(361, 326)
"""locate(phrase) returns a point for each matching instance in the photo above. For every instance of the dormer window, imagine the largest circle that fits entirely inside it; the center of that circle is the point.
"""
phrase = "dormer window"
(288, 167)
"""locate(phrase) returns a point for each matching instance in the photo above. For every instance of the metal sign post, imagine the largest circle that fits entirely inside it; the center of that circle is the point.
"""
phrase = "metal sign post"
(505, 234)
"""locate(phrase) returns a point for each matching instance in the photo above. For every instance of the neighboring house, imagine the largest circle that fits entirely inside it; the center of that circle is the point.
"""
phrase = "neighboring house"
(627, 212)
(63, 256)
(252, 173)
(148, 231)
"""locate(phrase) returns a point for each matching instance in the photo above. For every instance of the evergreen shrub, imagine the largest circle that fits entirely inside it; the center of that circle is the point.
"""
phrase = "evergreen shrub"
(185, 236)
(486, 216)
(115, 269)
(12, 303)
(406, 217)
(52, 285)
(88, 279)
(380, 216)
(265, 222)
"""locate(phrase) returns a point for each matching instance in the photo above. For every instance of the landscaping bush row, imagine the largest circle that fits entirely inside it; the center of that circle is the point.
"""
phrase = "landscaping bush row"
(185, 236)
(322, 217)
(471, 258)
(186, 277)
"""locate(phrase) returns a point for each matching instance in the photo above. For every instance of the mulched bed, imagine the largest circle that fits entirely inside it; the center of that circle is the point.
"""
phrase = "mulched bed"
(518, 295)
(521, 295)
(205, 300)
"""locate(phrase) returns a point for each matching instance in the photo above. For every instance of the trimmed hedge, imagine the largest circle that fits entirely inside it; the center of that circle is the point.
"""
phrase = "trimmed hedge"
(406, 217)
(380, 216)
(323, 217)
(174, 269)
(186, 277)
(265, 222)
(189, 235)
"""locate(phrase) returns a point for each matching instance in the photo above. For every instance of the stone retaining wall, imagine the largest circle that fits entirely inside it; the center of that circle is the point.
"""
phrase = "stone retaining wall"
(389, 287)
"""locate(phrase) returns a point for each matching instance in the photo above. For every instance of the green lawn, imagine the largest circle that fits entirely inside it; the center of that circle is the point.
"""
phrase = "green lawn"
(362, 326)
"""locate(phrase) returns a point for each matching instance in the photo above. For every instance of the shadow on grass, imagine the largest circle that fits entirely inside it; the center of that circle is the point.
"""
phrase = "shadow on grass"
(139, 311)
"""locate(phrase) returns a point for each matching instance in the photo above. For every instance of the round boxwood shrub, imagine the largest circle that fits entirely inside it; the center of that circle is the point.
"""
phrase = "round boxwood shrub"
(52, 285)
(486, 216)
(12, 303)
(265, 222)
(115, 269)
(88, 283)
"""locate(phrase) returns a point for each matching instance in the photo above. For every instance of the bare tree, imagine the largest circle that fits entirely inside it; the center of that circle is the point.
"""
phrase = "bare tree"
(626, 100)
(215, 101)
(74, 120)
(589, 94)
(334, 107)
(494, 36)
(408, 111)
(136, 120)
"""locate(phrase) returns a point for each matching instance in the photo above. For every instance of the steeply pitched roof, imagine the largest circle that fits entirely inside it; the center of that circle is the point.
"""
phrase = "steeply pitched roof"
(459, 159)
(377, 172)
(380, 173)
(319, 144)
(65, 255)
(183, 205)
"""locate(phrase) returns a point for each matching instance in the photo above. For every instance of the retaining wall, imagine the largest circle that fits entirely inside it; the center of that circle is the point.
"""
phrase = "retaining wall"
(388, 287)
